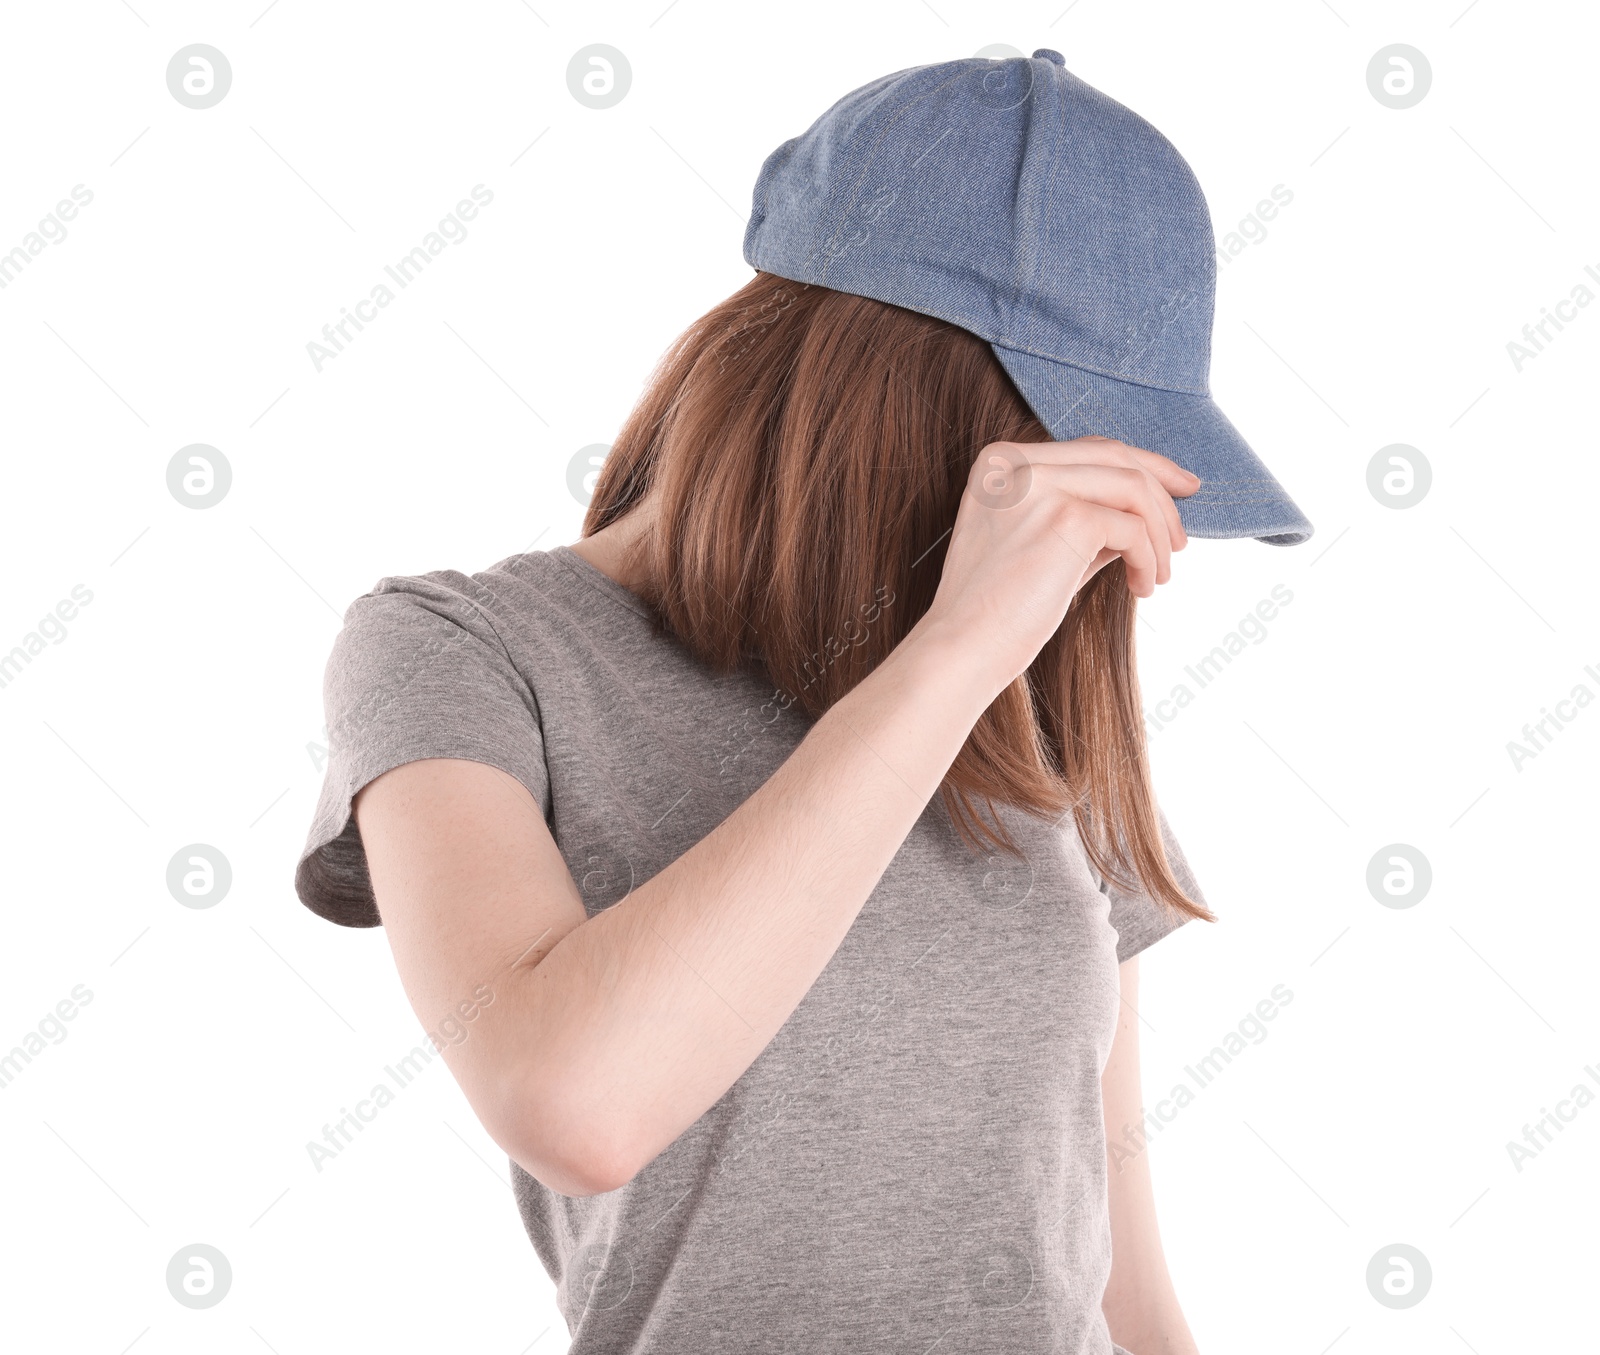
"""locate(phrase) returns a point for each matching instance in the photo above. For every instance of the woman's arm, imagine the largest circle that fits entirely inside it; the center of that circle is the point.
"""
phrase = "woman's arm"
(604, 1038)
(1140, 1305)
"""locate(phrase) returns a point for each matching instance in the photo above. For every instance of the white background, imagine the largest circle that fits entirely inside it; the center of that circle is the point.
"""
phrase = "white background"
(180, 705)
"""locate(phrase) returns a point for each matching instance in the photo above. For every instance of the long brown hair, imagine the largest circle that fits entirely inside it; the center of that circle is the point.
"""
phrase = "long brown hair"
(811, 448)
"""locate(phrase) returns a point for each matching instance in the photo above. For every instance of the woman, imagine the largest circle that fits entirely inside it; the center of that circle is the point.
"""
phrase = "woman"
(788, 1053)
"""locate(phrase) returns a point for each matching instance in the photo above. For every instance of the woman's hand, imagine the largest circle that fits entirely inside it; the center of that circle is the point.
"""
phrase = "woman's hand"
(1039, 518)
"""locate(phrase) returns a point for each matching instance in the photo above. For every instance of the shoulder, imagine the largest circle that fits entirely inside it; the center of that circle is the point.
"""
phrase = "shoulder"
(423, 667)
(415, 615)
(501, 590)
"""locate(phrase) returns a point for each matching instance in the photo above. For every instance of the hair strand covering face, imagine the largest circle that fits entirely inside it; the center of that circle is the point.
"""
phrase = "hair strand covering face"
(810, 448)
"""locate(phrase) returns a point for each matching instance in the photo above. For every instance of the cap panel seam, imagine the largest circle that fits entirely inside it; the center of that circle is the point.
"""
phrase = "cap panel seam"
(789, 147)
(1040, 210)
(791, 144)
(866, 163)
(865, 160)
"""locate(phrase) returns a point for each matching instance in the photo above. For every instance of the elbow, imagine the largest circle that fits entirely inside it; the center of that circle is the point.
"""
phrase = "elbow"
(581, 1170)
(569, 1152)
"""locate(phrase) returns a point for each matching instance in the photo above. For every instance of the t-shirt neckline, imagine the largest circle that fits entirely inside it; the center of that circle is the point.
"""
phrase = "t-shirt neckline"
(599, 580)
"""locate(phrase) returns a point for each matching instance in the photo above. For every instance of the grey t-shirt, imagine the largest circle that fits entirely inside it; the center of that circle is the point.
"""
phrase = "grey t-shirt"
(918, 1156)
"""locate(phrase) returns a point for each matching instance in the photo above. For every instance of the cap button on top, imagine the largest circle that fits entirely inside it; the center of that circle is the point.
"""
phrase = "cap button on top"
(1050, 55)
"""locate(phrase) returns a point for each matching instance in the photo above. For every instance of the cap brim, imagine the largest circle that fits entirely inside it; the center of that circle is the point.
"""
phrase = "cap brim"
(1238, 495)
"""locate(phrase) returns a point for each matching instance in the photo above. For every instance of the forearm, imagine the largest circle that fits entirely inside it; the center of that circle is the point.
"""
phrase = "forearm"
(1142, 1310)
(1140, 1303)
(642, 1016)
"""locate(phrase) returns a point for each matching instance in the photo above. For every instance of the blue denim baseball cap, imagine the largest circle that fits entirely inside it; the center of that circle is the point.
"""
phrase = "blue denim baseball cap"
(1011, 199)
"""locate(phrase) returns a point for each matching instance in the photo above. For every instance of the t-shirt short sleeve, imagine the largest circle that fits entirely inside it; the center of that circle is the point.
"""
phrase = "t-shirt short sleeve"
(418, 671)
(1141, 920)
